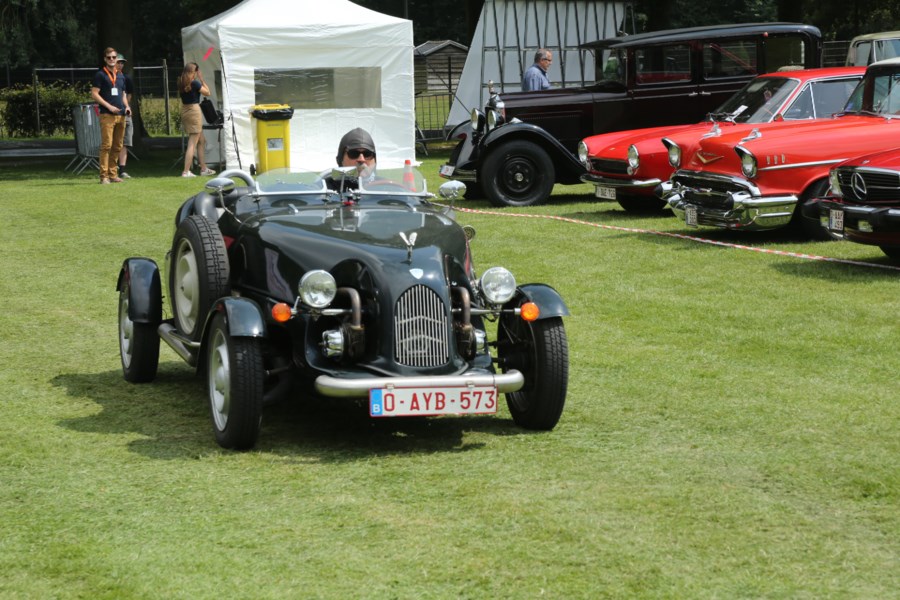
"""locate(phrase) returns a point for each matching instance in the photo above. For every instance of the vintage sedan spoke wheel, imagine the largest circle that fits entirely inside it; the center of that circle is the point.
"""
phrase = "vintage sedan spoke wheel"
(235, 386)
(540, 351)
(138, 344)
(518, 173)
(198, 273)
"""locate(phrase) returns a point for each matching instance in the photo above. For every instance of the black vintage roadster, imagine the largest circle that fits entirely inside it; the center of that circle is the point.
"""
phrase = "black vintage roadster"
(298, 283)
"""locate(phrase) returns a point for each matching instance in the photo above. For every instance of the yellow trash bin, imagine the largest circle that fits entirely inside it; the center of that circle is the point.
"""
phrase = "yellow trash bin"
(273, 135)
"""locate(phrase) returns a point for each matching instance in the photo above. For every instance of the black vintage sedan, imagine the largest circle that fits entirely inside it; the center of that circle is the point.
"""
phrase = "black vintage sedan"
(296, 284)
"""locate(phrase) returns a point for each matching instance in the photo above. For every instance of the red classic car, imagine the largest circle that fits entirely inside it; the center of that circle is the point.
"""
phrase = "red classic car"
(863, 204)
(626, 166)
(756, 180)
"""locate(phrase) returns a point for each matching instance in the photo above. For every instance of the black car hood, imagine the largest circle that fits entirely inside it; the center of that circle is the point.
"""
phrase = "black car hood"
(286, 245)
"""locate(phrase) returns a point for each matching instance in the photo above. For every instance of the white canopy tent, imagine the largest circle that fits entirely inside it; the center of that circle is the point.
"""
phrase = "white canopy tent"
(337, 64)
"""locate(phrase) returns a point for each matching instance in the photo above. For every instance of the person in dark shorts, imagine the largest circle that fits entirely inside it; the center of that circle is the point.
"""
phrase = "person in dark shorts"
(129, 123)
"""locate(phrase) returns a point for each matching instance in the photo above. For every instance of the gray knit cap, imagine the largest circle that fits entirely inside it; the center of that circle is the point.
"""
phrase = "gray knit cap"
(356, 138)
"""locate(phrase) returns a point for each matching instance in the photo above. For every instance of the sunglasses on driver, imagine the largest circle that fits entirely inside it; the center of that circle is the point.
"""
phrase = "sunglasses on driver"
(354, 154)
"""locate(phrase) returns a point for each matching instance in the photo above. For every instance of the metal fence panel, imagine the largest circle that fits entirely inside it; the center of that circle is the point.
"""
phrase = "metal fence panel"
(87, 138)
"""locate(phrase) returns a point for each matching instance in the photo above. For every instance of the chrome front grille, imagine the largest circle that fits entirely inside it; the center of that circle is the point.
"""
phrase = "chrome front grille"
(605, 165)
(869, 185)
(709, 190)
(421, 337)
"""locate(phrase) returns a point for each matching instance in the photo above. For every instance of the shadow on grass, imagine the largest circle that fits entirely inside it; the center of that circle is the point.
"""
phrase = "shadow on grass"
(172, 418)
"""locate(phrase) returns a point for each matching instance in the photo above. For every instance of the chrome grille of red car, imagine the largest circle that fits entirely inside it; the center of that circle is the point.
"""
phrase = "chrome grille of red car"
(709, 190)
(607, 165)
(421, 337)
(870, 185)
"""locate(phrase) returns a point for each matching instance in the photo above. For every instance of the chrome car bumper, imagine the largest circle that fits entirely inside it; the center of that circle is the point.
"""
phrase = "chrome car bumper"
(619, 183)
(335, 387)
(461, 174)
(735, 209)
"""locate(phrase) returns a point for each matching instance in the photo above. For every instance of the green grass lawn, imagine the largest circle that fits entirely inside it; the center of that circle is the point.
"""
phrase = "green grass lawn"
(731, 429)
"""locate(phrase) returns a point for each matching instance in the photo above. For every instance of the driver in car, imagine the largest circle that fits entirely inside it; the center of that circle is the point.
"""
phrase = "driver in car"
(356, 149)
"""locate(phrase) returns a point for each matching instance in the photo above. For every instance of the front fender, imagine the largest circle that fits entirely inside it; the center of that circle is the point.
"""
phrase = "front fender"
(568, 168)
(144, 289)
(243, 317)
(546, 298)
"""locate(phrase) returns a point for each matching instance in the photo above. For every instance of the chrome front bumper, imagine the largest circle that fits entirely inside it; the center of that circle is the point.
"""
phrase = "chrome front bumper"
(619, 183)
(335, 387)
(729, 210)
(463, 175)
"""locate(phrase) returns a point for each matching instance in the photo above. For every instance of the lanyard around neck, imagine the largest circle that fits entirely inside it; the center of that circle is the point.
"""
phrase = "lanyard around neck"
(112, 76)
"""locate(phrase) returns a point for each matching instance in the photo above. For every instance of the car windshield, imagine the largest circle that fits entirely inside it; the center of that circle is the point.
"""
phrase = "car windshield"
(398, 182)
(884, 88)
(757, 102)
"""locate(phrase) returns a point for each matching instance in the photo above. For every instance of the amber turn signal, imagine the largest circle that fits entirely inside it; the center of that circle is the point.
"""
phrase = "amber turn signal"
(281, 312)
(530, 311)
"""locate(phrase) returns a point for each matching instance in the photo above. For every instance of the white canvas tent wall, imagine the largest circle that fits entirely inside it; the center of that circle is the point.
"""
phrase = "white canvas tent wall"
(510, 31)
(285, 37)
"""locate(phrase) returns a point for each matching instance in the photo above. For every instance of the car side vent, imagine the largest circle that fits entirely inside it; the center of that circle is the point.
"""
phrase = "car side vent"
(421, 337)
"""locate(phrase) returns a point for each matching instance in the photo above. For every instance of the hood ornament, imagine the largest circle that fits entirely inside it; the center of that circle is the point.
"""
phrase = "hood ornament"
(715, 131)
(410, 244)
(756, 133)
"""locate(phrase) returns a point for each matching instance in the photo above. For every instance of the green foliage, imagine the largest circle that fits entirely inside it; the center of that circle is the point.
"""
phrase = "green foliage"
(56, 102)
(47, 32)
(153, 112)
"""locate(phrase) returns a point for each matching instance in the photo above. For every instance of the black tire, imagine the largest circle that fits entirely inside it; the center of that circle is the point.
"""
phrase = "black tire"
(539, 350)
(234, 380)
(641, 204)
(811, 228)
(198, 273)
(138, 344)
(892, 252)
(518, 173)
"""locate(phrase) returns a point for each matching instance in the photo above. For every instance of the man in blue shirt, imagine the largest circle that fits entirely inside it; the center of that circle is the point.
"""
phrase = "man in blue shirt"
(108, 91)
(535, 77)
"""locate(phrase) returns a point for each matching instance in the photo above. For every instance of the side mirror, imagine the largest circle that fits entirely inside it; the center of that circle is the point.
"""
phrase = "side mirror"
(220, 185)
(452, 190)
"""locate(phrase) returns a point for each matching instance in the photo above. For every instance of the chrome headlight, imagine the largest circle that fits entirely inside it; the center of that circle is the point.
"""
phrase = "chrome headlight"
(498, 285)
(634, 159)
(835, 184)
(748, 162)
(674, 151)
(583, 154)
(317, 288)
(492, 119)
(477, 118)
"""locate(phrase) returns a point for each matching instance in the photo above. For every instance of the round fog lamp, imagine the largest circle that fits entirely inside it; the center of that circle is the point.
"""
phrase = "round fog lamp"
(498, 285)
(317, 288)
